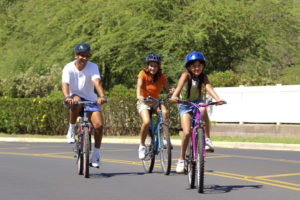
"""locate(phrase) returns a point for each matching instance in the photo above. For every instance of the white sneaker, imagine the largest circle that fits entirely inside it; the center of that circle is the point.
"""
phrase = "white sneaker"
(209, 147)
(95, 161)
(71, 135)
(142, 152)
(180, 167)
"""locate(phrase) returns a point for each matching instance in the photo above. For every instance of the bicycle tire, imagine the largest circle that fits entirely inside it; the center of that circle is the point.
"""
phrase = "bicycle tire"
(148, 162)
(190, 164)
(165, 152)
(86, 153)
(79, 161)
(200, 159)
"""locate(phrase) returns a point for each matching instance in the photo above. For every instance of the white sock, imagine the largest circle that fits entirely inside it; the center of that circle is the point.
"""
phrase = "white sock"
(72, 126)
(96, 151)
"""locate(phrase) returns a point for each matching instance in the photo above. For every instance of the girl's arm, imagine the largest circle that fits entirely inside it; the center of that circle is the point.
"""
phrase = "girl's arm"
(183, 78)
(168, 88)
(212, 92)
(138, 88)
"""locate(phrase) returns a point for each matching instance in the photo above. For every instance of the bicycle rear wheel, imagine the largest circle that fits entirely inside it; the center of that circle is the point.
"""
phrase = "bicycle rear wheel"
(200, 159)
(86, 153)
(148, 162)
(190, 164)
(79, 161)
(165, 151)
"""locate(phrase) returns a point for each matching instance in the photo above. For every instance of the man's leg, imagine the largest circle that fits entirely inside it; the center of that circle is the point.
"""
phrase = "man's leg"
(96, 120)
(74, 112)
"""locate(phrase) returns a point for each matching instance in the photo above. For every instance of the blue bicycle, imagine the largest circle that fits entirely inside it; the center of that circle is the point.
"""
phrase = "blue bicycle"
(158, 141)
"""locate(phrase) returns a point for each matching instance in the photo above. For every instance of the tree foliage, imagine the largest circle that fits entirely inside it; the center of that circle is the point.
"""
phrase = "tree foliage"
(253, 38)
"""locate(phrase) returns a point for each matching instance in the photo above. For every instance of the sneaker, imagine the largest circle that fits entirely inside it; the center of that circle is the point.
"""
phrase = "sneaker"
(95, 161)
(142, 152)
(71, 135)
(180, 167)
(209, 147)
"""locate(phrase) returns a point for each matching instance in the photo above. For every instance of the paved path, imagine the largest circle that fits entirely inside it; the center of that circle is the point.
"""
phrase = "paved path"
(47, 171)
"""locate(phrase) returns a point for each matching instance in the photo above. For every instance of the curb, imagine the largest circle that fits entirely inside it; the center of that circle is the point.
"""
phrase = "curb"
(176, 142)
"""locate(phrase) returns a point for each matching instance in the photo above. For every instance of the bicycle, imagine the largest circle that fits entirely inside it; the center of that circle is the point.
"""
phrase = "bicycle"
(83, 143)
(195, 152)
(159, 141)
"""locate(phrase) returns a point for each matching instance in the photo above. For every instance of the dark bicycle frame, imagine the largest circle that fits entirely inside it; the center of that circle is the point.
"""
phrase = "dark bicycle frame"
(84, 122)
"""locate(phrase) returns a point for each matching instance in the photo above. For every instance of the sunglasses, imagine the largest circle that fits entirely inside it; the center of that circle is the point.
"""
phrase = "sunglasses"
(84, 55)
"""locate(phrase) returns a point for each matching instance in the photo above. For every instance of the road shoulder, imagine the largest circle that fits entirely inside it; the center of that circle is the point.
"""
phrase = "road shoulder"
(176, 142)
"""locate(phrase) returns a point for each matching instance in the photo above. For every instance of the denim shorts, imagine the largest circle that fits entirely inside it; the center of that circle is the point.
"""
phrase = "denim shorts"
(89, 107)
(183, 108)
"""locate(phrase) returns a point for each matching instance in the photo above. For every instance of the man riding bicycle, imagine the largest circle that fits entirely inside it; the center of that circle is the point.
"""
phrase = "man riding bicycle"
(79, 79)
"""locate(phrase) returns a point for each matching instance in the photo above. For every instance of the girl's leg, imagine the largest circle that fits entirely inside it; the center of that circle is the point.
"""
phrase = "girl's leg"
(206, 121)
(164, 114)
(186, 126)
(145, 115)
(209, 146)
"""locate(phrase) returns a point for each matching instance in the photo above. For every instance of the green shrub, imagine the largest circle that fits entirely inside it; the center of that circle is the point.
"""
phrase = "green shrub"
(48, 116)
(33, 115)
(32, 84)
(223, 79)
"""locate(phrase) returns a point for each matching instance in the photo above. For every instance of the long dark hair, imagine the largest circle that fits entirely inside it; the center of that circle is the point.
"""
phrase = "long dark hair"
(156, 76)
(200, 79)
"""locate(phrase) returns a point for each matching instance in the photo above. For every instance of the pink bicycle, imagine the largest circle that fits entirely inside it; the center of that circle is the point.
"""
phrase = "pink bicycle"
(195, 152)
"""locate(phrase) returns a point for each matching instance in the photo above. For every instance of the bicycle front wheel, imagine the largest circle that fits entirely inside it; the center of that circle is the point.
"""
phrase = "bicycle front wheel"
(200, 159)
(165, 150)
(190, 165)
(86, 152)
(148, 162)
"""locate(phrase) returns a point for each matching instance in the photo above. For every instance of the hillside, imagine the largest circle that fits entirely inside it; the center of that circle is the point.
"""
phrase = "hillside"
(245, 42)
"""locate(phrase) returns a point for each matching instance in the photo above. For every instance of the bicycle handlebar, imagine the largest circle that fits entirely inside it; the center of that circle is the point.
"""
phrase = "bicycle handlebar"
(149, 98)
(196, 104)
(85, 102)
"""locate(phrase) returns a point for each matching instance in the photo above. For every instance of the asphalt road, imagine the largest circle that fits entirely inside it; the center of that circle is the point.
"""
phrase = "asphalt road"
(48, 171)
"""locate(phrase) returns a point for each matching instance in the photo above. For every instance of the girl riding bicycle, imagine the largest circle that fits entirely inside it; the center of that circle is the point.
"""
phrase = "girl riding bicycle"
(150, 81)
(189, 88)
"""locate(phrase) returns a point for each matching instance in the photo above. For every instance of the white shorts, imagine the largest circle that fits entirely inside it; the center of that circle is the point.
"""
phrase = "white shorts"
(142, 106)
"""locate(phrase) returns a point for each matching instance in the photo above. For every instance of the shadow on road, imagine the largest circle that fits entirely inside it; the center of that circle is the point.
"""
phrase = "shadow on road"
(109, 175)
(216, 189)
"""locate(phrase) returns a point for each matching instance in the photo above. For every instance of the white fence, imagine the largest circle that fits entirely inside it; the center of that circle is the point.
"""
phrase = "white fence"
(258, 104)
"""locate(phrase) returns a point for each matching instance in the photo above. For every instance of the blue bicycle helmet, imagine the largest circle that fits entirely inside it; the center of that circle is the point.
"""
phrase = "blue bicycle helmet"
(82, 47)
(154, 58)
(195, 55)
